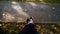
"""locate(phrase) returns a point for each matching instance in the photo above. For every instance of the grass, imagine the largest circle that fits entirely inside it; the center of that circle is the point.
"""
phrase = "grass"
(14, 28)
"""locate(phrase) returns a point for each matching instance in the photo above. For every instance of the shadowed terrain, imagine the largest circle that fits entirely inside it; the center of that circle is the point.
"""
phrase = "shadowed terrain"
(19, 11)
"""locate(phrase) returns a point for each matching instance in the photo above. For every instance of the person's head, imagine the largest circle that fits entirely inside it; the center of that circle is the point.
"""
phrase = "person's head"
(31, 18)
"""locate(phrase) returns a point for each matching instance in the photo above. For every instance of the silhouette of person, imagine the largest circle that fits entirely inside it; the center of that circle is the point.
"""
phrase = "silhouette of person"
(29, 28)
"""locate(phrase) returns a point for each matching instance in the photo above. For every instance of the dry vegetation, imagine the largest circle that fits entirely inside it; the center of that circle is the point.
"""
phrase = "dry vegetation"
(42, 28)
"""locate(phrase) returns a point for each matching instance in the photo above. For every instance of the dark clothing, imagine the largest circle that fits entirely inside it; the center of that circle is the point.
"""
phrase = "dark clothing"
(27, 20)
(28, 29)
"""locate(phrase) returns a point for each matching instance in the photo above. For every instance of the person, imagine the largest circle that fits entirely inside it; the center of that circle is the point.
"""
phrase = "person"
(29, 28)
(30, 21)
(27, 20)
